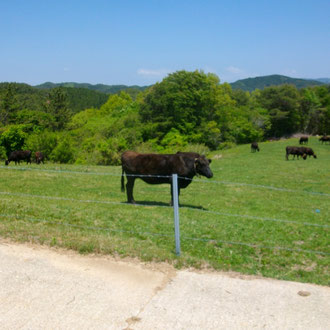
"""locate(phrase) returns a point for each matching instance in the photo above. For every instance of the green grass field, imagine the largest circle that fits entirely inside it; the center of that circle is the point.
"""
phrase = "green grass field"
(259, 214)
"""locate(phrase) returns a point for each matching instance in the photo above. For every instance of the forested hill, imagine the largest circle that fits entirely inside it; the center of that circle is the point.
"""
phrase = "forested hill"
(28, 97)
(187, 111)
(250, 84)
(108, 89)
(324, 80)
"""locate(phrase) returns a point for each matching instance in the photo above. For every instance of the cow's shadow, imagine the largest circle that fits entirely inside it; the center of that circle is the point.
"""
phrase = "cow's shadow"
(162, 204)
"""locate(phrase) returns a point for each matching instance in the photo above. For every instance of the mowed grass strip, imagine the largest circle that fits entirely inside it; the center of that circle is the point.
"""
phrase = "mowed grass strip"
(240, 220)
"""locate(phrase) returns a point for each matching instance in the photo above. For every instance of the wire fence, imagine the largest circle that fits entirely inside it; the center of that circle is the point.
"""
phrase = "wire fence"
(163, 235)
(148, 205)
(222, 214)
(167, 176)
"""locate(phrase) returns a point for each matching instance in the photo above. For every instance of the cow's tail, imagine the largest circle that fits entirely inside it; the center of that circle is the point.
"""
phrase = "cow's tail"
(122, 181)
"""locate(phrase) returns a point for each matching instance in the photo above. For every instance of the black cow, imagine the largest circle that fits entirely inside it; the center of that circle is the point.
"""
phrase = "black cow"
(254, 147)
(308, 151)
(158, 169)
(303, 140)
(324, 138)
(40, 158)
(18, 155)
(295, 151)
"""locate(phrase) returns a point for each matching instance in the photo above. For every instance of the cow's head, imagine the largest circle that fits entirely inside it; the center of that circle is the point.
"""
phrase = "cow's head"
(7, 162)
(314, 156)
(202, 166)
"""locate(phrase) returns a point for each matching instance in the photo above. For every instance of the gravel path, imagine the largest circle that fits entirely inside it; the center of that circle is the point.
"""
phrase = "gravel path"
(42, 288)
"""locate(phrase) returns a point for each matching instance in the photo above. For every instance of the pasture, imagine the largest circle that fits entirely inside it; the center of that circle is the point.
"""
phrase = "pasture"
(259, 214)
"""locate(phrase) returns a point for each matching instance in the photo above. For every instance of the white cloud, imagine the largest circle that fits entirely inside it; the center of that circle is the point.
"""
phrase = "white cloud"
(234, 70)
(157, 73)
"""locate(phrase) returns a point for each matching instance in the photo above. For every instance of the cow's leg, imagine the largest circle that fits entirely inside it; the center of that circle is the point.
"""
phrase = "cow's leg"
(129, 189)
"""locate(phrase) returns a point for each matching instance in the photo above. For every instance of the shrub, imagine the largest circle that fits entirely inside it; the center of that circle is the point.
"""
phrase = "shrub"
(13, 138)
(227, 145)
(45, 142)
(64, 152)
(3, 153)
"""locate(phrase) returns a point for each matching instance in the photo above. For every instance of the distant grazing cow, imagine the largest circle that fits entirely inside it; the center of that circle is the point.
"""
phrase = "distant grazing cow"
(18, 155)
(295, 151)
(254, 147)
(308, 151)
(303, 140)
(324, 138)
(39, 156)
(157, 169)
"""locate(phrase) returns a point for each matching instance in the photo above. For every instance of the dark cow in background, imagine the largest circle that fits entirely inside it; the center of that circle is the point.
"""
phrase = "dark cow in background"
(254, 147)
(324, 138)
(158, 169)
(295, 151)
(308, 151)
(40, 158)
(18, 155)
(303, 140)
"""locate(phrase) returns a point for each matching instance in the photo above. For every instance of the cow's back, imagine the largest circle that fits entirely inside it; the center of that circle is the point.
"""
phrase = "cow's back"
(146, 164)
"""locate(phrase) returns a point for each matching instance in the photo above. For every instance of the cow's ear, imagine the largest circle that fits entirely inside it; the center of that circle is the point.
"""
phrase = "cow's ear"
(210, 160)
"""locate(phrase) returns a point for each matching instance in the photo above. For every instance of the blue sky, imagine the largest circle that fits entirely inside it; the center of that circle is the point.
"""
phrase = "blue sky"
(140, 42)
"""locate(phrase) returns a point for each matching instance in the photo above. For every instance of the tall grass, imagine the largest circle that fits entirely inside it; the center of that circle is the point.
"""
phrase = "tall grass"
(260, 214)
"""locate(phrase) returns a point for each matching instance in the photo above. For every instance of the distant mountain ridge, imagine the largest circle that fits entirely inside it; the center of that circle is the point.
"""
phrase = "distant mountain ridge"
(324, 80)
(250, 84)
(108, 89)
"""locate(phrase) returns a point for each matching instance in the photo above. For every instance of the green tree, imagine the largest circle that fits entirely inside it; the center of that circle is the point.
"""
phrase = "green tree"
(210, 135)
(323, 93)
(44, 141)
(8, 104)
(57, 106)
(116, 103)
(13, 138)
(183, 100)
(37, 120)
(282, 103)
(64, 151)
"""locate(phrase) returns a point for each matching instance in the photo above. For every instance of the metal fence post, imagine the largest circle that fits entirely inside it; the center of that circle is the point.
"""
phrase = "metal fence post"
(176, 213)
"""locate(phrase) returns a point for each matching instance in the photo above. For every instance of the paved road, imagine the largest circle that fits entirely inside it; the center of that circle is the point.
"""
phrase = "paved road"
(42, 288)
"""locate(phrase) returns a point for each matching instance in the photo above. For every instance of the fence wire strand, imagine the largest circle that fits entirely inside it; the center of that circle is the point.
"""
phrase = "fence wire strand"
(255, 246)
(164, 206)
(257, 186)
(166, 176)
(148, 205)
(258, 218)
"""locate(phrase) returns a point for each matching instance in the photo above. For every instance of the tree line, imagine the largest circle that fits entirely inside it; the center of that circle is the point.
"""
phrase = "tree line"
(185, 111)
